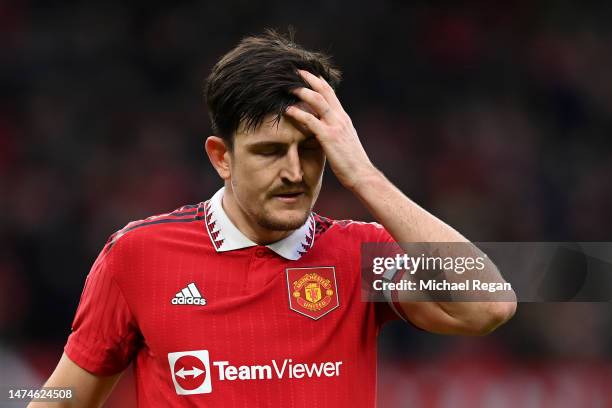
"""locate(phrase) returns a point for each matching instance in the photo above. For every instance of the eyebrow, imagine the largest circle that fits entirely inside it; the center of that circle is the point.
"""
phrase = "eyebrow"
(265, 143)
(257, 145)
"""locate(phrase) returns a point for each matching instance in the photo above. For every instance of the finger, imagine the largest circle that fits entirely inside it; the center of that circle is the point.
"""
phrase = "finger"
(321, 86)
(306, 119)
(314, 99)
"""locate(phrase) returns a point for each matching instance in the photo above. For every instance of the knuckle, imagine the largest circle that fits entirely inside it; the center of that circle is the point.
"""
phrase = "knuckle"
(338, 128)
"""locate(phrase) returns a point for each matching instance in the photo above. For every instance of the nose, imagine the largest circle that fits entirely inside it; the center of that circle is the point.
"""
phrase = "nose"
(292, 167)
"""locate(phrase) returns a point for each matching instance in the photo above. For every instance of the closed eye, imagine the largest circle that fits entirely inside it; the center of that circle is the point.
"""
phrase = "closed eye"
(269, 152)
(268, 149)
(310, 144)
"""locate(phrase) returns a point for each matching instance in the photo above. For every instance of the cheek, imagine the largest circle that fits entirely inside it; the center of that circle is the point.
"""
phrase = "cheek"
(245, 169)
(313, 166)
(253, 179)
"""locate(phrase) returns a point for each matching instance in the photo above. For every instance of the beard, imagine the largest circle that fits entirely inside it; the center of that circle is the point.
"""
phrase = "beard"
(269, 221)
(265, 216)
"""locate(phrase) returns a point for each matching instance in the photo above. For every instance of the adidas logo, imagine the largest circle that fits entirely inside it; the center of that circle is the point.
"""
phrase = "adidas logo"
(189, 295)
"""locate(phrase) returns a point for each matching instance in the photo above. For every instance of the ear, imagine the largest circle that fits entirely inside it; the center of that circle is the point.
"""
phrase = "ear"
(219, 156)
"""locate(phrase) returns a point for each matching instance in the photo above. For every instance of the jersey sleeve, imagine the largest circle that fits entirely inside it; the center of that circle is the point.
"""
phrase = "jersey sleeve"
(105, 336)
(374, 233)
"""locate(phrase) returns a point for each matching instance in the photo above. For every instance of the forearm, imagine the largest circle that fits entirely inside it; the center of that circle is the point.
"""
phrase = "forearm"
(88, 389)
(407, 222)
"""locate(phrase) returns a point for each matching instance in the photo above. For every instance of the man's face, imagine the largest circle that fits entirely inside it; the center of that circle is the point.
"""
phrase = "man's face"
(276, 173)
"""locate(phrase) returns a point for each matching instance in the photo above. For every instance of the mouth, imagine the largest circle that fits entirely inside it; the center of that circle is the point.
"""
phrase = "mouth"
(289, 197)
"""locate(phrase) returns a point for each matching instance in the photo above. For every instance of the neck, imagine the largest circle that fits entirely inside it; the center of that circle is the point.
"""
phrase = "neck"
(246, 224)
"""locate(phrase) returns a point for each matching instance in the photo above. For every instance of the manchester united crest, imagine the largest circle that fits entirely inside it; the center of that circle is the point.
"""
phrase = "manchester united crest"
(312, 291)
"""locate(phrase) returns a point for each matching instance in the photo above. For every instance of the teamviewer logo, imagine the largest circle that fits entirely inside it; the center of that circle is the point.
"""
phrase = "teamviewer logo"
(190, 372)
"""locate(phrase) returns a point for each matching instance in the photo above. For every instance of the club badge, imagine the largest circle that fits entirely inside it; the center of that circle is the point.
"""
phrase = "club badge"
(313, 292)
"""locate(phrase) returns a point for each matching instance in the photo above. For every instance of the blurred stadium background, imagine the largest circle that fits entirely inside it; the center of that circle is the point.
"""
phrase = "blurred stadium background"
(495, 116)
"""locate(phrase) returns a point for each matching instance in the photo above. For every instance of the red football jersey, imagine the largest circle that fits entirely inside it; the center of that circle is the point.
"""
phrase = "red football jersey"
(212, 319)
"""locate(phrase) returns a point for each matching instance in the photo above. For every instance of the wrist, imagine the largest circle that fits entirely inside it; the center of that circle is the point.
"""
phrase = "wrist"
(365, 179)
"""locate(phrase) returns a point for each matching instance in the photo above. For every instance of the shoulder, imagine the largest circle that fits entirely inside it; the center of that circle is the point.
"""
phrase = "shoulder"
(152, 226)
(360, 230)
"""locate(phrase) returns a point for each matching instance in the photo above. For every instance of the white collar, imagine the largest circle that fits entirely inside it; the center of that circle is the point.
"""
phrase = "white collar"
(225, 236)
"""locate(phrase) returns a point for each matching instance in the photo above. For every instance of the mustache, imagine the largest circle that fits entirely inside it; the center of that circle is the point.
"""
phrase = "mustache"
(289, 188)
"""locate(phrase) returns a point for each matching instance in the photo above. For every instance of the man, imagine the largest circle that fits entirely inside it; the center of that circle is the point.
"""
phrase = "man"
(250, 299)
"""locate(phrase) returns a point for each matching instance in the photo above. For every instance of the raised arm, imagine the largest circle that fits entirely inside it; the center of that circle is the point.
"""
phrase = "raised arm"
(405, 220)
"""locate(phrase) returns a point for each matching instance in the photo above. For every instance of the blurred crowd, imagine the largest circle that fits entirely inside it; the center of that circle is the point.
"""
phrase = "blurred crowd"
(495, 117)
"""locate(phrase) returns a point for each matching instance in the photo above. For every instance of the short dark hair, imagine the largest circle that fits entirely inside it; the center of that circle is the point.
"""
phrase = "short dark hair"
(255, 78)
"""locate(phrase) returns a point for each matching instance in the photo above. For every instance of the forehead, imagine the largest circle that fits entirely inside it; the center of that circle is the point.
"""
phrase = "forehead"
(286, 130)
